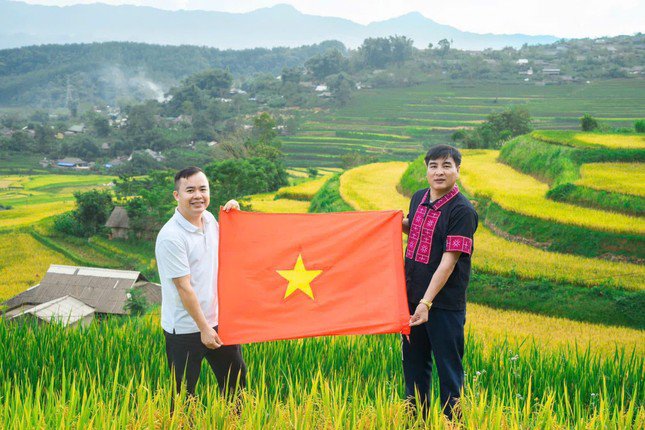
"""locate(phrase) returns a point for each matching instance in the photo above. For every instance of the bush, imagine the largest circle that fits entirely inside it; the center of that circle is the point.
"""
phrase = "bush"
(588, 123)
(89, 218)
(67, 223)
(639, 126)
(136, 303)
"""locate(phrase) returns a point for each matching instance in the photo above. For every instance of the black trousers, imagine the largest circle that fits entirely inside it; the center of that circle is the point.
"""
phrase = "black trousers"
(185, 353)
(442, 336)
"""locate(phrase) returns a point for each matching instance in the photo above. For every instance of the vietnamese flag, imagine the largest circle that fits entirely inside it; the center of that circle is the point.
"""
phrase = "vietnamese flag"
(287, 276)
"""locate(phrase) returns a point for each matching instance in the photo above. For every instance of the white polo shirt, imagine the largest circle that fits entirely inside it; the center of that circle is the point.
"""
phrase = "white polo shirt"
(183, 249)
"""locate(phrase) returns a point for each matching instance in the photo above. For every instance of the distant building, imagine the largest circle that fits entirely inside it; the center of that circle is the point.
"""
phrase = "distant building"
(156, 155)
(550, 71)
(71, 162)
(522, 61)
(77, 128)
(104, 290)
(321, 88)
(118, 223)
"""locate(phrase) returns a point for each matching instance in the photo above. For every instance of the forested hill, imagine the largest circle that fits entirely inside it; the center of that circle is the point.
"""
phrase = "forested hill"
(40, 75)
(111, 72)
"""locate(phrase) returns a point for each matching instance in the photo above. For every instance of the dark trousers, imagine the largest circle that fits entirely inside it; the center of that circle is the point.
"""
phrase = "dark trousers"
(442, 337)
(185, 353)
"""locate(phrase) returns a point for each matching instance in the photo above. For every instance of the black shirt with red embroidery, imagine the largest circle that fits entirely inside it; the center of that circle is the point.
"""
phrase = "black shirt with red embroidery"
(448, 224)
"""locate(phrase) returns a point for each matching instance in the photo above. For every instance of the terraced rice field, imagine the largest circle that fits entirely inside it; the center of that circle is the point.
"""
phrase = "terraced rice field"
(374, 187)
(623, 178)
(23, 263)
(303, 191)
(482, 175)
(35, 197)
(591, 140)
(398, 123)
(268, 203)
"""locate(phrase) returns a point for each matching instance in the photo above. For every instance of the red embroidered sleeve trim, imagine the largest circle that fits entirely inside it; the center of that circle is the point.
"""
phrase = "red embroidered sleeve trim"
(459, 243)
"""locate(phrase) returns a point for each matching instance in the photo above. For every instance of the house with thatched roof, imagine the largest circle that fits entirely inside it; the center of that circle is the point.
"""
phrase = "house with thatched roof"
(118, 223)
(105, 290)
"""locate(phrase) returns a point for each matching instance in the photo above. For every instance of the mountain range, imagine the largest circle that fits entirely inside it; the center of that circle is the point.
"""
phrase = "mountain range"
(23, 24)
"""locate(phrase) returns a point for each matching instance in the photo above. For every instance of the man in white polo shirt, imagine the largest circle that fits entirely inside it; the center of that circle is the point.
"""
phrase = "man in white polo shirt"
(187, 259)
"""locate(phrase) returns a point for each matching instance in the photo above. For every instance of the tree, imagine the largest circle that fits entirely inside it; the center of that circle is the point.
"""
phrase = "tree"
(375, 52)
(149, 201)
(515, 120)
(588, 123)
(234, 178)
(401, 48)
(291, 75)
(444, 46)
(89, 217)
(341, 88)
(264, 129)
(101, 126)
(329, 63)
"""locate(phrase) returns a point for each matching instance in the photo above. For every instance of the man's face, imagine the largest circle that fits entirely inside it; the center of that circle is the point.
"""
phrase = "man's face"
(442, 174)
(193, 195)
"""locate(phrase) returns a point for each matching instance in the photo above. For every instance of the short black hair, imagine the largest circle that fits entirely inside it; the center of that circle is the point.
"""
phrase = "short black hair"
(443, 151)
(186, 173)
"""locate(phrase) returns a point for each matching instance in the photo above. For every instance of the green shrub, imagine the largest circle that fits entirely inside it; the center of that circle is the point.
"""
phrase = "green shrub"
(328, 198)
(588, 123)
(588, 197)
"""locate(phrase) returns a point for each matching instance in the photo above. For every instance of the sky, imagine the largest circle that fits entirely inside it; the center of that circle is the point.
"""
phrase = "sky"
(561, 18)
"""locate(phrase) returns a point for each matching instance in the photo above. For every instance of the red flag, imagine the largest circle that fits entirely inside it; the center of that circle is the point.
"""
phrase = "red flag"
(287, 276)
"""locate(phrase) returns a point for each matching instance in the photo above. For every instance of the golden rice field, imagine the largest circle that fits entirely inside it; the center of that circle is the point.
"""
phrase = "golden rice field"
(23, 263)
(373, 187)
(26, 215)
(304, 190)
(40, 196)
(268, 203)
(612, 140)
(481, 174)
(623, 178)
(591, 140)
(550, 333)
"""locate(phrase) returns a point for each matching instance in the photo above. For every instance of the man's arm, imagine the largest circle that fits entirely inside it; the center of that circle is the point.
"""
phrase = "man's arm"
(191, 303)
(439, 279)
(406, 225)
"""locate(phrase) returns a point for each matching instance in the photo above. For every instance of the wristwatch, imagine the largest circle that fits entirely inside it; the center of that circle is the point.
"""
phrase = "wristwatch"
(428, 303)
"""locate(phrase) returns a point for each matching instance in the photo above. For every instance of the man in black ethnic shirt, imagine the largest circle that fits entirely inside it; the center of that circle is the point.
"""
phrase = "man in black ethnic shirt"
(440, 227)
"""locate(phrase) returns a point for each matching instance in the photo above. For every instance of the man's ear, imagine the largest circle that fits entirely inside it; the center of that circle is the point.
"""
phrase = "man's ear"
(175, 194)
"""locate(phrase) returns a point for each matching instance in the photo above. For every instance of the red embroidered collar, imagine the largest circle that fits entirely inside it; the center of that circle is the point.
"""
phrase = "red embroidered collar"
(443, 200)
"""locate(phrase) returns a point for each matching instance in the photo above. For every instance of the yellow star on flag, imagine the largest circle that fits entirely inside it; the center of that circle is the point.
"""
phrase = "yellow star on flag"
(299, 278)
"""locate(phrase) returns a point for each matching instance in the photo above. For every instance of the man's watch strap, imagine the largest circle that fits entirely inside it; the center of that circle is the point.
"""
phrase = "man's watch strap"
(428, 303)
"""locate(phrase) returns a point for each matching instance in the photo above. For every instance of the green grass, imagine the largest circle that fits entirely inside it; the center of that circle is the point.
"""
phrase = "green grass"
(599, 305)
(328, 198)
(591, 198)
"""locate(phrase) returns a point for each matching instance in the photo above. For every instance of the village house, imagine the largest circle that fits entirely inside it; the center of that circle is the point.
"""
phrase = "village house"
(71, 162)
(104, 290)
(77, 128)
(118, 223)
(66, 310)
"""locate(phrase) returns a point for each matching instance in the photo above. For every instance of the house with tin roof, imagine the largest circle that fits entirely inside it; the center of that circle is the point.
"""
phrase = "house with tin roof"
(104, 290)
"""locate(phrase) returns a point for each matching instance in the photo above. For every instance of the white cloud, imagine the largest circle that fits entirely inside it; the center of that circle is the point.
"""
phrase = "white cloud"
(563, 18)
